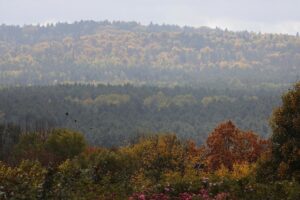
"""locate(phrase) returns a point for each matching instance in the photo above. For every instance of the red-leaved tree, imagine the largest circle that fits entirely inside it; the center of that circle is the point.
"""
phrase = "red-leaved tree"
(227, 145)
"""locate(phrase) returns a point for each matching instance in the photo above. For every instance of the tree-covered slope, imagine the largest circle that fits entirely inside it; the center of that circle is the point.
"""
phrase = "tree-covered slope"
(115, 115)
(120, 52)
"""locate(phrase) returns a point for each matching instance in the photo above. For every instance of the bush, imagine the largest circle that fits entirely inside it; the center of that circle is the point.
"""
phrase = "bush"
(65, 144)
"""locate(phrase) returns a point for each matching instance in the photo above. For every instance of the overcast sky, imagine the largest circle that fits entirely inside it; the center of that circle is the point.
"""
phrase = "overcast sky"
(280, 16)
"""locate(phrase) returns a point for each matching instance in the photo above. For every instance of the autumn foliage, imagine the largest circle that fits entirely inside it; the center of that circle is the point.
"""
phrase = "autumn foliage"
(233, 164)
(227, 145)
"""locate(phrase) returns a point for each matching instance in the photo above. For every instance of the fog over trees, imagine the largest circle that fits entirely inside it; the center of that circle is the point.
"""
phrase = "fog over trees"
(127, 52)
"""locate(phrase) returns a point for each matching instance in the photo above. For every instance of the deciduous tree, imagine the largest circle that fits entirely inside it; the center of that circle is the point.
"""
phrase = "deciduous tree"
(227, 145)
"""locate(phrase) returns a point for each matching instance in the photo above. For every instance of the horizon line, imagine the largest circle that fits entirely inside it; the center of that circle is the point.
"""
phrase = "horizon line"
(54, 23)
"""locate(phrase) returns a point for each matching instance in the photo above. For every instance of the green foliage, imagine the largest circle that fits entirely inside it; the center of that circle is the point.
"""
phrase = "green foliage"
(22, 182)
(49, 147)
(286, 139)
(65, 143)
(70, 181)
(159, 166)
(275, 190)
(31, 146)
(115, 115)
(9, 136)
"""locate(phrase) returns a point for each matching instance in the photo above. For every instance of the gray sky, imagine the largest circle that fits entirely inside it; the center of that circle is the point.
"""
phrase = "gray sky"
(280, 16)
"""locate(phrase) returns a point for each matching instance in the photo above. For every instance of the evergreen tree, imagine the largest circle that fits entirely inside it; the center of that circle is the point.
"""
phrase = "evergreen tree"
(285, 123)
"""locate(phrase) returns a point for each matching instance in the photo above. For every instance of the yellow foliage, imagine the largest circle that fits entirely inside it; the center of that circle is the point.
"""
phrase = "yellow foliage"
(222, 172)
(239, 171)
(242, 170)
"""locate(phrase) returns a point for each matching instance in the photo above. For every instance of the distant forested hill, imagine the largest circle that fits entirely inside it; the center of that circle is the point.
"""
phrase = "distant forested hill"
(115, 115)
(127, 52)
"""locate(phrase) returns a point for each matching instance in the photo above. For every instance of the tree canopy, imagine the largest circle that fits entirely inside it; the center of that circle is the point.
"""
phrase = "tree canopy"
(121, 52)
(114, 115)
(227, 145)
(286, 134)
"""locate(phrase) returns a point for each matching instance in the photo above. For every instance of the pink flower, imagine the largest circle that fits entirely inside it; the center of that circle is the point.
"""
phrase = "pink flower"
(185, 196)
(222, 196)
(142, 197)
(204, 194)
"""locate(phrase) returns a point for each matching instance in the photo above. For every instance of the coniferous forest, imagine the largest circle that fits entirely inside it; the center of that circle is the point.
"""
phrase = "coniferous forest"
(119, 110)
(116, 115)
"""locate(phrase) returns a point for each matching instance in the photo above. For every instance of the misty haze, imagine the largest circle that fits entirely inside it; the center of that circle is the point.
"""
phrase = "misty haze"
(150, 100)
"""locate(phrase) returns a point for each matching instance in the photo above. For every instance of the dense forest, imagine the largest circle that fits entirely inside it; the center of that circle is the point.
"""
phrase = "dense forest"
(127, 52)
(119, 110)
(232, 164)
(116, 115)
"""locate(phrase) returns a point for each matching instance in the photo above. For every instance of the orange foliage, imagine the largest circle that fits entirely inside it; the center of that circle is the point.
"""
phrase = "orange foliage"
(227, 145)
